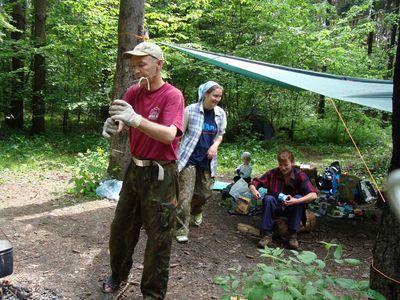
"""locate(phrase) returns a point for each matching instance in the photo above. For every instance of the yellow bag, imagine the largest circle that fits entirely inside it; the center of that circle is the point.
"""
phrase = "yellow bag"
(243, 205)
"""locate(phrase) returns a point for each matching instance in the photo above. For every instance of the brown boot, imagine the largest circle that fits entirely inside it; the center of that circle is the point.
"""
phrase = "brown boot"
(265, 241)
(293, 242)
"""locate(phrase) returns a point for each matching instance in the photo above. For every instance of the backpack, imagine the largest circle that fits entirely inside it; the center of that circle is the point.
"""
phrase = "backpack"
(328, 180)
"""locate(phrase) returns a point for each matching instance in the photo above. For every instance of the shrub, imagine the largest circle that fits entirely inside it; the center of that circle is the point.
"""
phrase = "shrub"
(91, 169)
(300, 276)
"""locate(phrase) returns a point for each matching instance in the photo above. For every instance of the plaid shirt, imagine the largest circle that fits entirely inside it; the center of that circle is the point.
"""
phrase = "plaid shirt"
(299, 183)
(192, 128)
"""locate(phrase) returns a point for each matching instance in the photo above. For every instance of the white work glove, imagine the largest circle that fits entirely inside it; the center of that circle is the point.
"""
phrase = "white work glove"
(123, 111)
(109, 128)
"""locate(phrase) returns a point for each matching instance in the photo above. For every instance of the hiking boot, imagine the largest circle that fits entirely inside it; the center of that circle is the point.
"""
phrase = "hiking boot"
(293, 242)
(265, 241)
(198, 219)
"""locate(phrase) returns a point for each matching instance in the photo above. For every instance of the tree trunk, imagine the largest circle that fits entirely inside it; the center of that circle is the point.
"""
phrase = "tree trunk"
(39, 70)
(130, 29)
(66, 125)
(392, 44)
(386, 252)
(321, 103)
(15, 116)
(370, 40)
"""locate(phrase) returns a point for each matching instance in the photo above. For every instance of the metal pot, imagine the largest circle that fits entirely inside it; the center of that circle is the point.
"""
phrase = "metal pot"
(6, 258)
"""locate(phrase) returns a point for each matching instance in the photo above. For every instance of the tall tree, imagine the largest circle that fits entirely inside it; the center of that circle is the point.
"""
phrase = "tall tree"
(39, 68)
(130, 33)
(393, 33)
(370, 39)
(385, 270)
(15, 118)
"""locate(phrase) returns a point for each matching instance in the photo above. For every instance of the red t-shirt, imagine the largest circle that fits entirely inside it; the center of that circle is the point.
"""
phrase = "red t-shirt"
(163, 106)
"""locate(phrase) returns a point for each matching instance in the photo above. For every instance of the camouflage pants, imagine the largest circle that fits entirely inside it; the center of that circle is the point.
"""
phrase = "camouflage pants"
(151, 203)
(194, 191)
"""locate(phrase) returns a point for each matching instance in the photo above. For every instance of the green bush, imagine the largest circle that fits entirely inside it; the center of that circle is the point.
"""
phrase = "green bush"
(91, 169)
(299, 276)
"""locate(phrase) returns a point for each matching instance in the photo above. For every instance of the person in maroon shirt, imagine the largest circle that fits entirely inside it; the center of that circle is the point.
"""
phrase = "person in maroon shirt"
(153, 112)
(289, 189)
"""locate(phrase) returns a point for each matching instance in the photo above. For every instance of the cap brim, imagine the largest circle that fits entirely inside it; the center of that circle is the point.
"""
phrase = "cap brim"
(128, 54)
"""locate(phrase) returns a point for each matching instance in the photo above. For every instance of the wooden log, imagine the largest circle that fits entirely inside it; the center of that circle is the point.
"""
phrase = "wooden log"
(281, 226)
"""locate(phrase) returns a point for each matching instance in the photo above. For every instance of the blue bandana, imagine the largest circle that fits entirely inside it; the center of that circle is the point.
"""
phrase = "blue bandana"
(203, 89)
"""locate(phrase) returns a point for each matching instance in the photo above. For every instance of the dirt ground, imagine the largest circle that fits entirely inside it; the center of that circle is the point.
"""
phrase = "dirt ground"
(61, 243)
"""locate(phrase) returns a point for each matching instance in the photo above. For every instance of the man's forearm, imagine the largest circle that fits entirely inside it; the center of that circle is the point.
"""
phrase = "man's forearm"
(308, 198)
(158, 132)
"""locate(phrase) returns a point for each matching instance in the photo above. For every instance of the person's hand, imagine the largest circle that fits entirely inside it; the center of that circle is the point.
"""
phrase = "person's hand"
(290, 201)
(254, 192)
(212, 151)
(123, 111)
(109, 128)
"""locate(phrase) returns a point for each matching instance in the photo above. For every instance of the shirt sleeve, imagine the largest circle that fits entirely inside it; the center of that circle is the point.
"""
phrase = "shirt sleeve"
(173, 111)
(306, 184)
(262, 181)
(186, 117)
(223, 125)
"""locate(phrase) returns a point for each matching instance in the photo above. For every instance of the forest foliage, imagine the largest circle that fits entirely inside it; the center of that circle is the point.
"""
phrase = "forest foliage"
(347, 37)
(81, 44)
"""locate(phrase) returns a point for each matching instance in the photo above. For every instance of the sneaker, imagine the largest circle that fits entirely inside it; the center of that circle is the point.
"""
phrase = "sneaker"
(182, 239)
(265, 241)
(293, 242)
(198, 219)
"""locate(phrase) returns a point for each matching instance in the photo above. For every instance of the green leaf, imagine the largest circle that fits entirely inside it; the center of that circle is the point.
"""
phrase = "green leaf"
(235, 284)
(258, 293)
(346, 283)
(352, 261)
(321, 264)
(338, 252)
(307, 257)
(372, 294)
(310, 290)
(339, 261)
(281, 296)
(295, 292)
(328, 295)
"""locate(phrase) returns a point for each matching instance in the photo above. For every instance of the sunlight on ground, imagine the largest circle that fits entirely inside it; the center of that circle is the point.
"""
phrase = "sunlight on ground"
(70, 210)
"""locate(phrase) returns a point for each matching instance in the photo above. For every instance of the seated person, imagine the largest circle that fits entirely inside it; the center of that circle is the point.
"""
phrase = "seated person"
(244, 170)
(297, 190)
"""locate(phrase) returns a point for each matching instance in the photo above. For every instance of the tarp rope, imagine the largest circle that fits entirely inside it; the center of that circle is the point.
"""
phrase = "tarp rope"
(383, 274)
(355, 145)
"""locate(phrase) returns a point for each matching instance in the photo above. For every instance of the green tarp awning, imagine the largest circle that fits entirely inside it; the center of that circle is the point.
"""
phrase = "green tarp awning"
(366, 92)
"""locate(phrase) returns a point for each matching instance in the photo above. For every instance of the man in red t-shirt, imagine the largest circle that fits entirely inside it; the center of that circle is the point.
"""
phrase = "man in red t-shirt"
(153, 110)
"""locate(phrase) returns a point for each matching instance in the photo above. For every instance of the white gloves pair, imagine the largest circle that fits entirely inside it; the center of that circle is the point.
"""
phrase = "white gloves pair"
(120, 111)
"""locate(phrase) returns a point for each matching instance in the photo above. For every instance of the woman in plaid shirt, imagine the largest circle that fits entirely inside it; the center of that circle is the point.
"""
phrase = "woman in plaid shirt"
(204, 127)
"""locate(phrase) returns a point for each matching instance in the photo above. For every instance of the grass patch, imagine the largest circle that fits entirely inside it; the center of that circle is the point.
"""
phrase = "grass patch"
(19, 153)
(86, 156)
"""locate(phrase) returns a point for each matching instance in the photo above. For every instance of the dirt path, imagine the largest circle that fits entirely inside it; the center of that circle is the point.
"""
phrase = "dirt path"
(61, 243)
